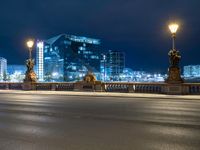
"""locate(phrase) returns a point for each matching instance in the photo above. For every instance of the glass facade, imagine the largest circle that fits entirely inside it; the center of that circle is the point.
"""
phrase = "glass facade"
(16, 68)
(112, 65)
(3, 68)
(69, 57)
(40, 61)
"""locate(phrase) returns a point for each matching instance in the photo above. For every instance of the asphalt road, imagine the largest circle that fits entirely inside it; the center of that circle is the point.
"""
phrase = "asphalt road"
(42, 122)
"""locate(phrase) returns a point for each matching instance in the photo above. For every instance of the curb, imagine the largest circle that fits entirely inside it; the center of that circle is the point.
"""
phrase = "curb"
(100, 94)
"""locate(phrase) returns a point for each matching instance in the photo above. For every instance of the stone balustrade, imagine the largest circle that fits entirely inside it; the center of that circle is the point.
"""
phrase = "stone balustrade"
(193, 88)
(135, 87)
(123, 87)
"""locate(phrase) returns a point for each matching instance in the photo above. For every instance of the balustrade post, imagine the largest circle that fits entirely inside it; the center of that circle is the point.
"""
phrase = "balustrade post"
(103, 87)
(130, 88)
(53, 87)
(7, 86)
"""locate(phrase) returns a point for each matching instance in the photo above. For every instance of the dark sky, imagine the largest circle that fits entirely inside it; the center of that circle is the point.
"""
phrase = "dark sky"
(137, 27)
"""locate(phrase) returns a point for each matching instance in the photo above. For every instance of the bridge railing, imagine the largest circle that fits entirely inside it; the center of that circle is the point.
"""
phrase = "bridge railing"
(11, 86)
(59, 86)
(193, 88)
(135, 87)
(123, 87)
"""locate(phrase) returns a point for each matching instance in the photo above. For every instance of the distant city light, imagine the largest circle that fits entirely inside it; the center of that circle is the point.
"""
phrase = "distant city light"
(55, 74)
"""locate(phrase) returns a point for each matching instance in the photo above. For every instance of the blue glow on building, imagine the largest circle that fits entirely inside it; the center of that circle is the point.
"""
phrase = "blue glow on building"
(69, 58)
(40, 61)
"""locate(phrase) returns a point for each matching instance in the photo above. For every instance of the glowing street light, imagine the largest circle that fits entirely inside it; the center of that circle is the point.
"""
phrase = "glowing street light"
(30, 44)
(173, 29)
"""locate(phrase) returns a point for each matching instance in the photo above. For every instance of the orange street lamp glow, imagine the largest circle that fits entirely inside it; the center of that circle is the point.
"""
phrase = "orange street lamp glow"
(30, 43)
(173, 28)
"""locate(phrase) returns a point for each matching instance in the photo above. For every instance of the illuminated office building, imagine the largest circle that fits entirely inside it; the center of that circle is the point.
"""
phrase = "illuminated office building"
(3, 67)
(12, 69)
(68, 58)
(16, 73)
(115, 64)
(40, 61)
(103, 67)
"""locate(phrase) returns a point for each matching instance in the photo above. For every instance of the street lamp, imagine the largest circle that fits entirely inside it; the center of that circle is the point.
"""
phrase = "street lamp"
(173, 28)
(174, 73)
(30, 76)
(30, 44)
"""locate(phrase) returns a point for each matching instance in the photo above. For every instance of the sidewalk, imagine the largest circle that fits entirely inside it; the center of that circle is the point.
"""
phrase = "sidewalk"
(102, 94)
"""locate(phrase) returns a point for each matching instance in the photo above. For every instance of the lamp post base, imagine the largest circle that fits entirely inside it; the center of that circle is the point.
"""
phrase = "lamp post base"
(30, 77)
(30, 74)
(174, 76)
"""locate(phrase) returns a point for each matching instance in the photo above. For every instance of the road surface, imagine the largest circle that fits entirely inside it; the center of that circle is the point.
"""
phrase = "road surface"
(53, 122)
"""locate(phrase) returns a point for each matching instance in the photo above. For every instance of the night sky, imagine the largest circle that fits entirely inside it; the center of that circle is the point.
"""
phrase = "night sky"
(137, 27)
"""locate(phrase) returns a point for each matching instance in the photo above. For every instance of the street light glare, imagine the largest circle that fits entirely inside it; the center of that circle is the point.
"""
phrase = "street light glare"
(30, 43)
(173, 28)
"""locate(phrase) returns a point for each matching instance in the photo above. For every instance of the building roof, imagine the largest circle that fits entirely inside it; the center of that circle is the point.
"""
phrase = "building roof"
(1, 58)
(74, 38)
(53, 39)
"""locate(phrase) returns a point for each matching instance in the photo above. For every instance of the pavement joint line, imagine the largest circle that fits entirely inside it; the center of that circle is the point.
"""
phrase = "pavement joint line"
(104, 94)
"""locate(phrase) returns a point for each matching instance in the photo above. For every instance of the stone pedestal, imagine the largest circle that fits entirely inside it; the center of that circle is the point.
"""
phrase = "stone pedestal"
(88, 86)
(89, 83)
(30, 77)
(174, 82)
(27, 86)
(176, 89)
(174, 76)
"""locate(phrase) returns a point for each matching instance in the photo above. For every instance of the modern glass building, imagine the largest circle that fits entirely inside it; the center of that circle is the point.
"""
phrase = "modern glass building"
(191, 71)
(112, 65)
(68, 58)
(3, 67)
(40, 61)
(12, 69)
(103, 67)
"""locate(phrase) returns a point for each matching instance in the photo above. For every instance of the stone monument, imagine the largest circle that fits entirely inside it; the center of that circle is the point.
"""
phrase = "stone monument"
(89, 83)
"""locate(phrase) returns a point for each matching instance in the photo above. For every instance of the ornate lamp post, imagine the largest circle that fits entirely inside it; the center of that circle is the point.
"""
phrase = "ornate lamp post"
(174, 72)
(30, 74)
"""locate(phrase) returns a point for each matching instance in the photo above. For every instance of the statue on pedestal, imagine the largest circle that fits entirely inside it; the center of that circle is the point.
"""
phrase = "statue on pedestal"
(174, 72)
(89, 78)
(30, 74)
(174, 57)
